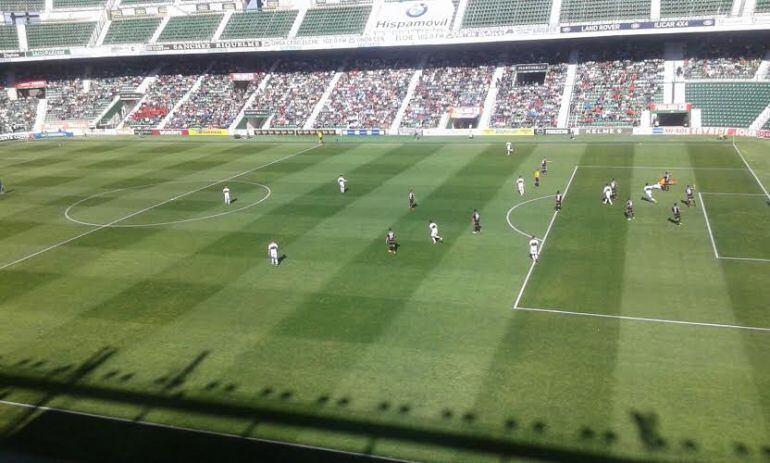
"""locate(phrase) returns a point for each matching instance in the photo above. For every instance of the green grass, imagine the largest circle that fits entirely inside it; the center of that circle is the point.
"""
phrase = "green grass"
(418, 355)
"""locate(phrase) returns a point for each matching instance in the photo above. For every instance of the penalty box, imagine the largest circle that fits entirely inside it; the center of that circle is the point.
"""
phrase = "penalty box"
(738, 225)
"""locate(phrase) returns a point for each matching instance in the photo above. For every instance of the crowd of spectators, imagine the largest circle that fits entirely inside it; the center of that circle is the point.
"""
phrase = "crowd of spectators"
(729, 59)
(81, 97)
(614, 86)
(368, 94)
(218, 100)
(529, 104)
(17, 115)
(169, 86)
(293, 90)
(448, 81)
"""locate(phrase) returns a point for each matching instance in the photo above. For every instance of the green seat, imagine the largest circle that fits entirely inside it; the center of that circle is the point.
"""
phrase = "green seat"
(763, 6)
(604, 10)
(335, 20)
(8, 38)
(729, 104)
(259, 24)
(190, 28)
(59, 35)
(84, 4)
(137, 30)
(490, 13)
(688, 8)
(22, 5)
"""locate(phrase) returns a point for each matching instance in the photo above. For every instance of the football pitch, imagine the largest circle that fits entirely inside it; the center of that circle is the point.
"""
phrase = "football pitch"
(129, 292)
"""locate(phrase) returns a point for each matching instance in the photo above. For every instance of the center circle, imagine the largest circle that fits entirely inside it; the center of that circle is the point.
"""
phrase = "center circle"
(116, 224)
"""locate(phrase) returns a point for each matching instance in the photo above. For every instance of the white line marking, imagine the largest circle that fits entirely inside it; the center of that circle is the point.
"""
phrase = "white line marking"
(192, 430)
(751, 259)
(663, 168)
(173, 222)
(133, 214)
(737, 150)
(731, 194)
(644, 319)
(542, 243)
(508, 215)
(708, 225)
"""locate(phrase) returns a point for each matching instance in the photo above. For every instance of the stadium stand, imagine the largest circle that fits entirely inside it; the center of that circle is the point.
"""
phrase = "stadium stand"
(171, 84)
(368, 94)
(335, 20)
(529, 105)
(763, 6)
(692, 8)
(68, 99)
(490, 13)
(729, 104)
(143, 2)
(604, 10)
(446, 82)
(614, 86)
(59, 35)
(259, 24)
(75, 4)
(134, 30)
(293, 91)
(218, 100)
(22, 5)
(8, 38)
(17, 115)
(190, 28)
(723, 59)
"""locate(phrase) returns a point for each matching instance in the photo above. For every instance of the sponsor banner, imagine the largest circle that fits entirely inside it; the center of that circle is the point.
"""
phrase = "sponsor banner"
(519, 132)
(539, 67)
(622, 26)
(465, 112)
(171, 132)
(207, 132)
(302, 132)
(58, 134)
(708, 131)
(13, 54)
(243, 76)
(31, 84)
(14, 136)
(763, 133)
(204, 45)
(33, 53)
(142, 132)
(256, 113)
(131, 95)
(671, 107)
(364, 132)
(414, 15)
(606, 130)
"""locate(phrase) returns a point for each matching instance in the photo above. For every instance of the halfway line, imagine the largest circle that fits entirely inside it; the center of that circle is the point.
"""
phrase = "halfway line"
(644, 319)
(134, 214)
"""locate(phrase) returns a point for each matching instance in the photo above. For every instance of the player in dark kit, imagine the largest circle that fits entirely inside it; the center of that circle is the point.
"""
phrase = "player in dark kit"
(390, 241)
(412, 200)
(689, 193)
(559, 197)
(614, 188)
(544, 166)
(677, 214)
(629, 209)
(476, 221)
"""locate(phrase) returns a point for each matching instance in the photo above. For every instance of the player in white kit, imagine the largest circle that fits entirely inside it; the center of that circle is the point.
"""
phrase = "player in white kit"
(272, 252)
(508, 148)
(342, 183)
(607, 193)
(433, 228)
(534, 249)
(520, 185)
(648, 192)
(226, 192)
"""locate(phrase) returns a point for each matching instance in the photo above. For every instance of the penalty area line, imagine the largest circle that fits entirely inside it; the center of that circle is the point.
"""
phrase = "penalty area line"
(172, 427)
(542, 243)
(708, 226)
(643, 319)
(134, 214)
(738, 150)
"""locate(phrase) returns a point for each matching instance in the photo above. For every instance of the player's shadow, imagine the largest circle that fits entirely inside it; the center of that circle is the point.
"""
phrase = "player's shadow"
(233, 200)
(282, 258)
(673, 221)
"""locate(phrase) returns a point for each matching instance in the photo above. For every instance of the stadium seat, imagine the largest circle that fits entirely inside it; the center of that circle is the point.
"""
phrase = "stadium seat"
(143, 2)
(729, 104)
(8, 38)
(335, 20)
(259, 24)
(688, 8)
(604, 10)
(763, 6)
(53, 35)
(22, 5)
(489, 13)
(137, 30)
(61, 4)
(190, 28)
